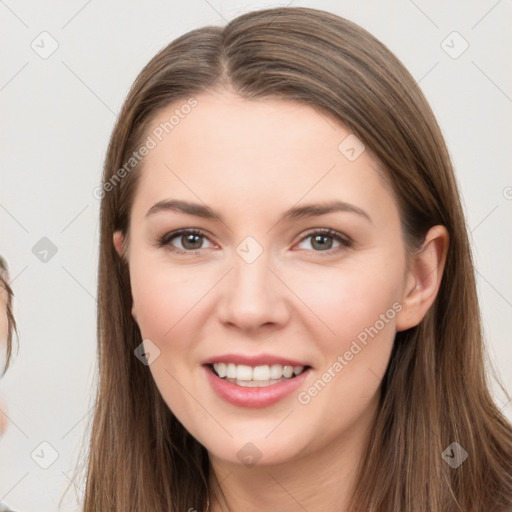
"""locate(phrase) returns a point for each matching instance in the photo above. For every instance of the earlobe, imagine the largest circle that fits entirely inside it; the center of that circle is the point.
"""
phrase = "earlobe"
(118, 243)
(424, 278)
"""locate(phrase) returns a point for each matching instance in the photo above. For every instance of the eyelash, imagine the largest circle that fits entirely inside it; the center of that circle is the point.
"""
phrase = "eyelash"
(344, 240)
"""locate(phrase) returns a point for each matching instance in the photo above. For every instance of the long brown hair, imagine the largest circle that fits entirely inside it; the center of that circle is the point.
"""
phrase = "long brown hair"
(434, 392)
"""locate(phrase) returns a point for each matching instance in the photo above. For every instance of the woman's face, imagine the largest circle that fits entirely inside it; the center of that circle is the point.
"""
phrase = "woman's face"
(260, 286)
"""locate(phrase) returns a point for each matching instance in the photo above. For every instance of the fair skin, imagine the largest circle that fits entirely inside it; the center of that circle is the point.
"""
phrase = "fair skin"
(251, 161)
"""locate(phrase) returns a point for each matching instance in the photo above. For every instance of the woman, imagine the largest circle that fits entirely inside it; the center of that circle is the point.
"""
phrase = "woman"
(7, 328)
(288, 317)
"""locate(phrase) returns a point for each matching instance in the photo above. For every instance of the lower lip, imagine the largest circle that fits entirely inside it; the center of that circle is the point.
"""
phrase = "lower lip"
(254, 397)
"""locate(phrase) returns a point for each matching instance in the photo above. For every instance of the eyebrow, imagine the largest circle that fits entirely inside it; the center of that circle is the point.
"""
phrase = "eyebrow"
(296, 212)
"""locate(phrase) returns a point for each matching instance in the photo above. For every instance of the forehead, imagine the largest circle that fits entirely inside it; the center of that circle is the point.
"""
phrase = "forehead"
(229, 122)
(244, 147)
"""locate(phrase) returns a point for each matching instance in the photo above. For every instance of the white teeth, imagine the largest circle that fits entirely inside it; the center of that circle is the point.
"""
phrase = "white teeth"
(261, 373)
(276, 371)
(230, 371)
(287, 371)
(243, 372)
(221, 369)
(269, 373)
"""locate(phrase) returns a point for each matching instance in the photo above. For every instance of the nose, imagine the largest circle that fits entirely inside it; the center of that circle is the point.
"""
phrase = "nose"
(253, 296)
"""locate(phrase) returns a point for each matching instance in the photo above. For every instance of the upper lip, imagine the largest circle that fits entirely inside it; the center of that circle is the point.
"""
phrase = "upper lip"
(256, 360)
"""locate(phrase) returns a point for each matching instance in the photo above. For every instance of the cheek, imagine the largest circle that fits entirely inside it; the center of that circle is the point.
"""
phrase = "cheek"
(358, 305)
(350, 300)
(164, 299)
(153, 303)
(360, 309)
(164, 307)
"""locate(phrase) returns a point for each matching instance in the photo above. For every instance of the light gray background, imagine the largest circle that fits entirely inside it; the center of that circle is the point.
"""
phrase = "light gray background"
(58, 114)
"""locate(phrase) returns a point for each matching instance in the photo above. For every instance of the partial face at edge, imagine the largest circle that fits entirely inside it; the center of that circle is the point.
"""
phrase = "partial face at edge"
(3, 343)
(308, 296)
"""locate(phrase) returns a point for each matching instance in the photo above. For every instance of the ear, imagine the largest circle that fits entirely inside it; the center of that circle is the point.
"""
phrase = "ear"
(118, 243)
(118, 240)
(423, 278)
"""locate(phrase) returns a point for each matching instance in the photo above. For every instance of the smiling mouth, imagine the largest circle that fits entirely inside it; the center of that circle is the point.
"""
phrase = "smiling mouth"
(255, 376)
